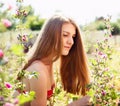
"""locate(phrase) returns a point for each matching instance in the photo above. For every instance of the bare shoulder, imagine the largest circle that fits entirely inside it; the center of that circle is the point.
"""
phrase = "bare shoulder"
(37, 66)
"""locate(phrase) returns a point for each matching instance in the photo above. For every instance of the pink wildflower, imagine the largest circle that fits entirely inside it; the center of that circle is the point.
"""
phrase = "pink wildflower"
(1, 54)
(106, 69)
(6, 22)
(100, 53)
(9, 7)
(8, 85)
(18, 13)
(8, 104)
(110, 35)
(104, 56)
(103, 92)
(16, 101)
(1, 98)
(24, 38)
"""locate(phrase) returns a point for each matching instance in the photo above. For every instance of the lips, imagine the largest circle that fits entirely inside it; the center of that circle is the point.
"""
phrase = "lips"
(67, 47)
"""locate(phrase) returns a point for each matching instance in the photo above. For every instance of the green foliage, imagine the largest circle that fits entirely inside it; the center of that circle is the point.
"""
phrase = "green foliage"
(2, 27)
(17, 49)
(91, 26)
(19, 18)
(26, 97)
(34, 22)
(116, 28)
(100, 25)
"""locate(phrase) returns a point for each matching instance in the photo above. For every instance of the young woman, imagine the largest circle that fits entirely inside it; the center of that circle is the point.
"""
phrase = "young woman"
(59, 38)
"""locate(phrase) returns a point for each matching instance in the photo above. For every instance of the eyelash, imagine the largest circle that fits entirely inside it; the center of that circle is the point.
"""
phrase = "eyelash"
(67, 35)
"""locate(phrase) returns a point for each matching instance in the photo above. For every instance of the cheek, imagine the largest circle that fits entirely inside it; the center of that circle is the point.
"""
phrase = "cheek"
(63, 41)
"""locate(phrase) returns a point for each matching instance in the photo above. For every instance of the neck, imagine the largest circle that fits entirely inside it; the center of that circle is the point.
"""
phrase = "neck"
(47, 61)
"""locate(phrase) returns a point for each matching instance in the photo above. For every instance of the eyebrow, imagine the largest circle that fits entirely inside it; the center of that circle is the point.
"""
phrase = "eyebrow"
(68, 33)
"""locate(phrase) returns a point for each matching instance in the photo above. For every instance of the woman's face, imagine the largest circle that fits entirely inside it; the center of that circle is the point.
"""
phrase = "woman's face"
(68, 34)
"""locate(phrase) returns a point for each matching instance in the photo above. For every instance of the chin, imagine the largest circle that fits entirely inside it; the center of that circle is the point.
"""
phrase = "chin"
(65, 53)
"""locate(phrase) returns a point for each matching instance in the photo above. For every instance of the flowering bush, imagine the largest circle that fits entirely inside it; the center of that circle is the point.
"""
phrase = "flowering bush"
(9, 85)
(102, 88)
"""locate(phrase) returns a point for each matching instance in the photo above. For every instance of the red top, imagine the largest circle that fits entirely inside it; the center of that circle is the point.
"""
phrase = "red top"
(50, 92)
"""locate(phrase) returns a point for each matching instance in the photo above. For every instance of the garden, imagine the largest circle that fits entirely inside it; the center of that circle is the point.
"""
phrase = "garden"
(18, 32)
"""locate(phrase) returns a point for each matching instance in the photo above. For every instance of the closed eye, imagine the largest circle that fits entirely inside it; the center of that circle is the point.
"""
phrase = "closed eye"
(65, 35)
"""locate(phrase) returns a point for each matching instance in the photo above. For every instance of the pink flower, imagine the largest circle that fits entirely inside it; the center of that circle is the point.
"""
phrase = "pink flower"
(18, 13)
(100, 53)
(16, 101)
(8, 104)
(9, 7)
(110, 35)
(1, 98)
(1, 54)
(8, 85)
(103, 92)
(6, 22)
(104, 56)
(106, 69)
(24, 38)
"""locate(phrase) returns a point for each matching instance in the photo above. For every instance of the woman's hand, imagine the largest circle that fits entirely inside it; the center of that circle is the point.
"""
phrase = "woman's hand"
(84, 101)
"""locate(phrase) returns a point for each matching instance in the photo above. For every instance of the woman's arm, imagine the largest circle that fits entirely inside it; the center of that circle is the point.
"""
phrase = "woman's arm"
(39, 86)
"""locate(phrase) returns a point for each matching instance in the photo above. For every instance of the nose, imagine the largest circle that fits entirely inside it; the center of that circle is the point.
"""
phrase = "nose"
(70, 41)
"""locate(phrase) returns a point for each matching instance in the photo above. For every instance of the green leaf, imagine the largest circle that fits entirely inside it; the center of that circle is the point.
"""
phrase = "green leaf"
(24, 98)
(113, 95)
(17, 49)
(91, 93)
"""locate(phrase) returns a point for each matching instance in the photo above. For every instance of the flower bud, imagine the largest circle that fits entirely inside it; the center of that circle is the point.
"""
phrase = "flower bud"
(1, 54)
(103, 92)
(23, 38)
(8, 85)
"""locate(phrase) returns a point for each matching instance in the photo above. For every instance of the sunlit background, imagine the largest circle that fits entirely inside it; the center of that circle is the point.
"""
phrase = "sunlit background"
(20, 24)
(84, 11)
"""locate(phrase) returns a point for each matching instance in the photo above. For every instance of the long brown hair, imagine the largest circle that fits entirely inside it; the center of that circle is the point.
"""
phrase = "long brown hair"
(74, 68)
(48, 41)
